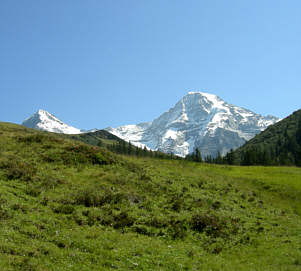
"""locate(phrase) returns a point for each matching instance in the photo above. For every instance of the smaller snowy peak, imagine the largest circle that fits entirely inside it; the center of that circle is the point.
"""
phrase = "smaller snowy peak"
(43, 120)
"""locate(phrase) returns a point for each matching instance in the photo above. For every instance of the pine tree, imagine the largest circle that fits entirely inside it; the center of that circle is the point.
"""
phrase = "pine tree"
(266, 158)
(230, 158)
(197, 155)
(144, 151)
(218, 159)
(129, 148)
(123, 147)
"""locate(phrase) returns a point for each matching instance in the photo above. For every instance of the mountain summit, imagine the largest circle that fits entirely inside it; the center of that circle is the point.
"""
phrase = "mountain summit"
(199, 120)
(43, 120)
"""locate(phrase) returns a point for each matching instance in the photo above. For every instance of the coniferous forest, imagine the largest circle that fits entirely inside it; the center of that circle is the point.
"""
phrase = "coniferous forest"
(278, 145)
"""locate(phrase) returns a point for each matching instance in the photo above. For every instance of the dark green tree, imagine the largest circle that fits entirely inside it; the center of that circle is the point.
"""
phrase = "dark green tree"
(230, 157)
(198, 155)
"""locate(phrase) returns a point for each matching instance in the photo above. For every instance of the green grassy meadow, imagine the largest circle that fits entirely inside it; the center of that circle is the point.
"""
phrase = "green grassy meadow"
(65, 205)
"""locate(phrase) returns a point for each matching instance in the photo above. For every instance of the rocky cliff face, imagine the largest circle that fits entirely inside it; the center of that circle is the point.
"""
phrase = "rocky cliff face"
(198, 120)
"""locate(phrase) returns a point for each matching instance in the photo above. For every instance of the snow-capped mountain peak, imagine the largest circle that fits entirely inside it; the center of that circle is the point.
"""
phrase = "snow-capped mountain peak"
(43, 120)
(201, 120)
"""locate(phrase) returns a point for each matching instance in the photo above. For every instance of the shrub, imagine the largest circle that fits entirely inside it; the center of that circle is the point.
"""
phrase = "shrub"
(19, 207)
(84, 154)
(74, 155)
(38, 138)
(64, 209)
(25, 263)
(177, 229)
(105, 217)
(33, 190)
(177, 203)
(209, 223)
(142, 230)
(99, 159)
(216, 205)
(122, 220)
(4, 211)
(49, 181)
(135, 198)
(94, 215)
(15, 168)
(79, 218)
(90, 197)
(158, 222)
(95, 197)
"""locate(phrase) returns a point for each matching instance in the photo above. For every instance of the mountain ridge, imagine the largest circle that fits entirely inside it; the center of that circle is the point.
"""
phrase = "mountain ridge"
(199, 120)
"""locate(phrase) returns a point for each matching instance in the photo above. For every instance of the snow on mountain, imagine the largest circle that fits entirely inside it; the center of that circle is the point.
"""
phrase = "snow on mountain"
(43, 120)
(199, 120)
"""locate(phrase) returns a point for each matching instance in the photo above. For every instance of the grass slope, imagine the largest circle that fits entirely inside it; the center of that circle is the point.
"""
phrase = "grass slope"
(65, 205)
(99, 137)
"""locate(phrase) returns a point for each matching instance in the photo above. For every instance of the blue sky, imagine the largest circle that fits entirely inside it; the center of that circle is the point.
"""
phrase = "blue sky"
(99, 63)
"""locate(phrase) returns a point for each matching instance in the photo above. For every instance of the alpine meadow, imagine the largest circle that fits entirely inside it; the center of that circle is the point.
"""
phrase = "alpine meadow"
(66, 205)
(150, 135)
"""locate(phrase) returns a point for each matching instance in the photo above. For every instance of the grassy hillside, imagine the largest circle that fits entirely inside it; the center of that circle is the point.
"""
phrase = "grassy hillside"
(279, 144)
(99, 137)
(65, 205)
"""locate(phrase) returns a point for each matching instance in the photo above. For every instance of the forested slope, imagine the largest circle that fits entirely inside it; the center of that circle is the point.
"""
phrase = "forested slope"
(279, 144)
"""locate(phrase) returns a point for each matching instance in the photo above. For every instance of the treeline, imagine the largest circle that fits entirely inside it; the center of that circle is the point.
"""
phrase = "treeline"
(127, 148)
(196, 156)
(271, 148)
(274, 146)
(286, 151)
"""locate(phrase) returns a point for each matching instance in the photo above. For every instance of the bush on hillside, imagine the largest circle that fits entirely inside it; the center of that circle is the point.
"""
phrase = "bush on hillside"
(14, 168)
(38, 138)
(4, 211)
(209, 223)
(96, 197)
(78, 154)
